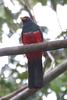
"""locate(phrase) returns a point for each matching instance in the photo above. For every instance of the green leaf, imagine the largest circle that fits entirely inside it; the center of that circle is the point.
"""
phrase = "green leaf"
(1, 22)
(64, 77)
(42, 1)
(2, 19)
(2, 12)
(23, 76)
(64, 34)
(65, 1)
(9, 20)
(8, 14)
(56, 84)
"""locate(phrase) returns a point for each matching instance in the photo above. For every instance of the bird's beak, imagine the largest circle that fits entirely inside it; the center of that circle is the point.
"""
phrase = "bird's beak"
(21, 18)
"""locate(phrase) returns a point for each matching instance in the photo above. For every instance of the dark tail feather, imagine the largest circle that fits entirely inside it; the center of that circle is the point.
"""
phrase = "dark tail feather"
(35, 71)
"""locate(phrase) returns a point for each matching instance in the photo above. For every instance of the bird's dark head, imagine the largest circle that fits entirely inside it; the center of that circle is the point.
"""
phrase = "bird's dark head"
(25, 19)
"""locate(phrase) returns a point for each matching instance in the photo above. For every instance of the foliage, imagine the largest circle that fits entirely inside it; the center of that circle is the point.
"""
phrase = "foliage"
(9, 19)
(65, 1)
(42, 1)
(6, 87)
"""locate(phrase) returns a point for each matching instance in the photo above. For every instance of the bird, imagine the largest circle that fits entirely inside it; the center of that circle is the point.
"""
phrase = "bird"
(31, 34)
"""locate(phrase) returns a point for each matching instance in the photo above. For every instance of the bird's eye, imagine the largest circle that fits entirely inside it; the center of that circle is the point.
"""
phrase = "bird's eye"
(24, 18)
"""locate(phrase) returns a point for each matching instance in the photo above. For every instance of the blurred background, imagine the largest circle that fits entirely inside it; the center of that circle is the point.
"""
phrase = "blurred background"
(51, 16)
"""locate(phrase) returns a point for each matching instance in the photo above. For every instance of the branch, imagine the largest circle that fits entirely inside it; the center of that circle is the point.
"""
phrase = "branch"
(49, 76)
(53, 45)
(7, 97)
(52, 59)
(26, 7)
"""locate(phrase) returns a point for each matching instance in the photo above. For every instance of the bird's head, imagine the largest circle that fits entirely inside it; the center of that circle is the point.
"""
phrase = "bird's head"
(24, 19)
